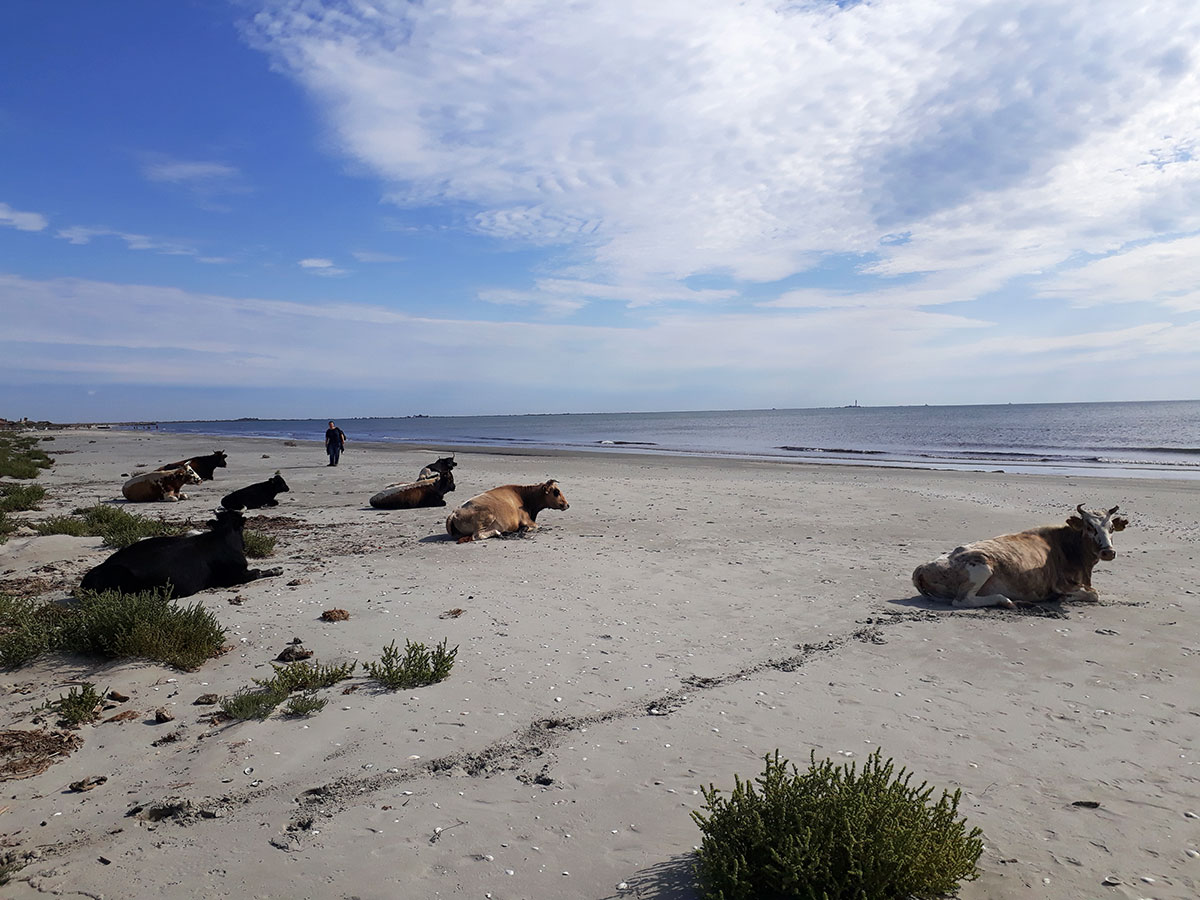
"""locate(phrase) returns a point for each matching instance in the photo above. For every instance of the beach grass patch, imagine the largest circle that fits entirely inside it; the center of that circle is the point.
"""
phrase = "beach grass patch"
(20, 457)
(21, 497)
(77, 707)
(7, 525)
(304, 704)
(258, 545)
(416, 666)
(304, 676)
(116, 526)
(833, 833)
(254, 703)
(112, 625)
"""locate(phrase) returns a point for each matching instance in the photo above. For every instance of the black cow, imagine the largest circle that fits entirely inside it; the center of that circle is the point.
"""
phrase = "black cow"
(436, 468)
(186, 564)
(202, 465)
(256, 495)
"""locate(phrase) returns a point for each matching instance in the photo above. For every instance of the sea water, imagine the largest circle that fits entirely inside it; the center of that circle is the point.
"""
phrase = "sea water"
(1156, 439)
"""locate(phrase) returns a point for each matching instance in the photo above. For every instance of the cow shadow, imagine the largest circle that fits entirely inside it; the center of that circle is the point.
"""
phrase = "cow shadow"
(671, 879)
(1049, 609)
(437, 538)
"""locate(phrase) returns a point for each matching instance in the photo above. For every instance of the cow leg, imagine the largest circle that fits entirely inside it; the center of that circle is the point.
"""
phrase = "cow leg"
(253, 574)
(1085, 595)
(978, 574)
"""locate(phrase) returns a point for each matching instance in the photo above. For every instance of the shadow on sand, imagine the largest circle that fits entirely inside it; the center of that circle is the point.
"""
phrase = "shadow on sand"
(672, 879)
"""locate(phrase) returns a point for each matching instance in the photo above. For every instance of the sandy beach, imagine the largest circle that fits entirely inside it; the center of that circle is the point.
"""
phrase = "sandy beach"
(681, 620)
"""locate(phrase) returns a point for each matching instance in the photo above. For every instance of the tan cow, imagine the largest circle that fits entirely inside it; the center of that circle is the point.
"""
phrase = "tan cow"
(503, 510)
(161, 485)
(1047, 563)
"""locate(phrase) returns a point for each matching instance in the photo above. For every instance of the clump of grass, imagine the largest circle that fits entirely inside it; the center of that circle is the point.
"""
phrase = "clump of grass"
(833, 833)
(110, 624)
(303, 676)
(78, 707)
(415, 667)
(304, 704)
(7, 526)
(20, 457)
(257, 544)
(253, 703)
(118, 527)
(20, 497)
(10, 864)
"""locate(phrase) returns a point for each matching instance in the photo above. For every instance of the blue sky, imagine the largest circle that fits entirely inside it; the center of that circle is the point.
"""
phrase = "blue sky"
(303, 208)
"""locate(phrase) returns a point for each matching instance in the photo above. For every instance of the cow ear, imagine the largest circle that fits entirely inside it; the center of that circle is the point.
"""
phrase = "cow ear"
(1076, 523)
(1119, 523)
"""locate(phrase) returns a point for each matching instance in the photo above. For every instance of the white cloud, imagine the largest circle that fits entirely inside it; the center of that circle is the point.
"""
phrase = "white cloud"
(1166, 273)
(183, 172)
(76, 330)
(22, 221)
(323, 267)
(368, 256)
(80, 235)
(659, 141)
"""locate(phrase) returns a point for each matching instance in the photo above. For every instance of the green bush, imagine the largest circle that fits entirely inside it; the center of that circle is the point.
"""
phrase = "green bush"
(257, 544)
(20, 497)
(303, 676)
(304, 704)
(118, 527)
(78, 707)
(110, 624)
(833, 833)
(416, 667)
(252, 703)
(20, 457)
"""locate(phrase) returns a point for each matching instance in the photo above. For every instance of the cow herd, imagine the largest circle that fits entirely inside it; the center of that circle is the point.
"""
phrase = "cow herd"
(1048, 563)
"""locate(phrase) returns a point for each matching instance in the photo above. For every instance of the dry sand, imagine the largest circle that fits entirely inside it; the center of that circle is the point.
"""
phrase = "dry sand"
(682, 619)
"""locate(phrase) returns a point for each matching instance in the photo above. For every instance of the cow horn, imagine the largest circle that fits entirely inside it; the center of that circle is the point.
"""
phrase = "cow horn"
(1079, 509)
(1111, 511)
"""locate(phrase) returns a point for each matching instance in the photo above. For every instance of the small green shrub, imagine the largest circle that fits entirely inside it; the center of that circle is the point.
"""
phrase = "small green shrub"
(303, 676)
(7, 526)
(118, 527)
(144, 625)
(416, 667)
(833, 833)
(304, 704)
(78, 707)
(251, 703)
(20, 497)
(109, 624)
(20, 457)
(258, 545)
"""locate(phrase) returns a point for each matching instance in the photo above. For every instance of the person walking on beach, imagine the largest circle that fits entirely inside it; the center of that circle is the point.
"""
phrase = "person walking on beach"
(335, 443)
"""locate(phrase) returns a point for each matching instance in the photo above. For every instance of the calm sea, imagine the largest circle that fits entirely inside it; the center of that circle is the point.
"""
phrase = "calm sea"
(1158, 439)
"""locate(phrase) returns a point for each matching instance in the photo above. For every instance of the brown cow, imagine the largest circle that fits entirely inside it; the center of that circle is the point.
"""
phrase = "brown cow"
(161, 485)
(1047, 563)
(425, 492)
(503, 510)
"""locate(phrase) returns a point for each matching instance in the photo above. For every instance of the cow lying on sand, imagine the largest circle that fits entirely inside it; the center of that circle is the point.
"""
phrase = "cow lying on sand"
(163, 484)
(187, 563)
(504, 510)
(1048, 563)
(439, 467)
(426, 492)
(256, 495)
(203, 465)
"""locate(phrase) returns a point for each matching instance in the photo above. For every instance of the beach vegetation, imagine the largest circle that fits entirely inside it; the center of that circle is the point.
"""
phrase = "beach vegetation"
(20, 497)
(254, 703)
(416, 666)
(304, 676)
(11, 863)
(7, 526)
(305, 704)
(111, 625)
(258, 545)
(20, 457)
(77, 707)
(833, 833)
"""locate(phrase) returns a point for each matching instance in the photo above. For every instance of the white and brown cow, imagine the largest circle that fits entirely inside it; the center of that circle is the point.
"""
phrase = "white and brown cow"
(503, 510)
(1047, 563)
(160, 485)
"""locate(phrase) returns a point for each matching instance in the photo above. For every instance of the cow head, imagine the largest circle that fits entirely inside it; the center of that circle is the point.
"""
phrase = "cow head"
(218, 459)
(278, 485)
(1099, 526)
(443, 465)
(227, 520)
(445, 482)
(553, 497)
(190, 476)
